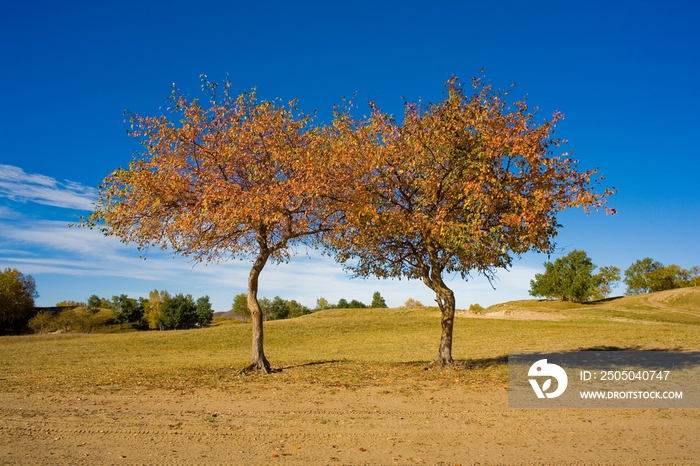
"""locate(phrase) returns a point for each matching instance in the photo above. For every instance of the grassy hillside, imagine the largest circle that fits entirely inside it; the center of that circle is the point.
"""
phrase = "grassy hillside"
(672, 306)
(358, 346)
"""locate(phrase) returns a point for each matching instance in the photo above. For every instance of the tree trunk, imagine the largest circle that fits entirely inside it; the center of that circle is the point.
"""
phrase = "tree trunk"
(432, 277)
(446, 301)
(259, 361)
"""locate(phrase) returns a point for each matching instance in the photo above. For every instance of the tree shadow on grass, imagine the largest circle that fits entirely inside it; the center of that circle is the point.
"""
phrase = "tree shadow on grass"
(459, 364)
(627, 348)
(426, 365)
(307, 364)
(601, 301)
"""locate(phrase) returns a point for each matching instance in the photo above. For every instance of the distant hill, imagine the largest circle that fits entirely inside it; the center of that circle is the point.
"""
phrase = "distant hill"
(681, 305)
(228, 315)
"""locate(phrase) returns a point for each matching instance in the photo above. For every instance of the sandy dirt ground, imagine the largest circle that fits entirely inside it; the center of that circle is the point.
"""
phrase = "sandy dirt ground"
(287, 424)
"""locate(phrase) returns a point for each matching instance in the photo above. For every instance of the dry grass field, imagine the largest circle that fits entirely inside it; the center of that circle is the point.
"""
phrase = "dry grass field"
(351, 387)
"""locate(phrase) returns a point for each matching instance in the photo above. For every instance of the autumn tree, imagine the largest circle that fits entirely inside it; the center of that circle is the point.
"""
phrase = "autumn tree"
(412, 304)
(461, 186)
(153, 308)
(322, 303)
(234, 177)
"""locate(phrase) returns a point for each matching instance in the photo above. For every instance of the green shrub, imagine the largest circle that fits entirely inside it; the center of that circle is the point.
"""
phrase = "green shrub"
(42, 322)
(79, 320)
(476, 308)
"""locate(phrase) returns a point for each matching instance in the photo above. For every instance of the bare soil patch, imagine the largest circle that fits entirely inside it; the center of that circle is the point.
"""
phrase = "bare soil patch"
(404, 423)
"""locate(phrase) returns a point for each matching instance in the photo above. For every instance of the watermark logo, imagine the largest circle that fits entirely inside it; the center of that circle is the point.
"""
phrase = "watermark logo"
(543, 369)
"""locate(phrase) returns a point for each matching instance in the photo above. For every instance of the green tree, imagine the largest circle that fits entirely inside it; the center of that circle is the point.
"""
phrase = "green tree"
(668, 277)
(279, 308)
(637, 275)
(605, 280)
(266, 308)
(297, 309)
(377, 301)
(93, 303)
(648, 276)
(178, 312)
(125, 309)
(240, 306)
(342, 304)
(17, 294)
(205, 313)
(568, 278)
(355, 304)
(691, 277)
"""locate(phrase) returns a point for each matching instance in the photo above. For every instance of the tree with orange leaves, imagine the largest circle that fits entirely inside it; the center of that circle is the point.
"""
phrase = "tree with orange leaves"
(460, 187)
(239, 178)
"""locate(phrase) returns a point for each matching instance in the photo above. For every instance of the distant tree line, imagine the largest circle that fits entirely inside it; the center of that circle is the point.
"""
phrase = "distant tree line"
(572, 278)
(648, 276)
(378, 302)
(160, 311)
(272, 309)
(278, 308)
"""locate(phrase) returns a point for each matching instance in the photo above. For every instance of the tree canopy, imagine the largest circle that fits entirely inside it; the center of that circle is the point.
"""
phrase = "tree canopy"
(459, 187)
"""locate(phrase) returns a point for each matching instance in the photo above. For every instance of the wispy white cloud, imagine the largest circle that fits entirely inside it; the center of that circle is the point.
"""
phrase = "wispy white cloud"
(6, 212)
(19, 186)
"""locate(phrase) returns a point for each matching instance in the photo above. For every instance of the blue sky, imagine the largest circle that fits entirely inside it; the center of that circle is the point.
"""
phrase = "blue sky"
(625, 74)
